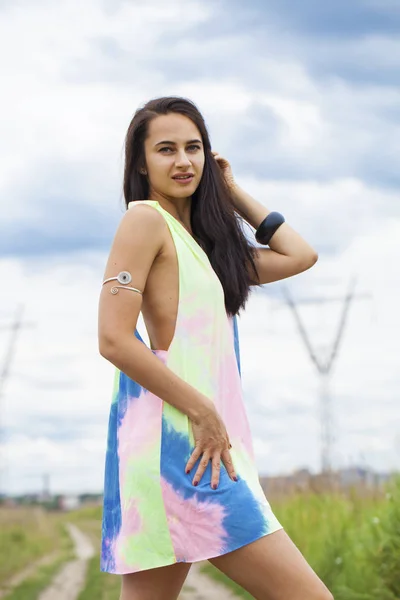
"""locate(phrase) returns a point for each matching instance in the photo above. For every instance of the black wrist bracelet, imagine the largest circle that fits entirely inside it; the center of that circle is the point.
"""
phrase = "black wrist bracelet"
(268, 226)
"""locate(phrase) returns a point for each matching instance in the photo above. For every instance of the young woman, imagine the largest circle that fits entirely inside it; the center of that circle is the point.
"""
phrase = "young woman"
(181, 483)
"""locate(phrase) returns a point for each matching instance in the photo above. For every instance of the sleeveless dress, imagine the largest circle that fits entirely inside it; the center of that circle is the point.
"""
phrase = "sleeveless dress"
(153, 516)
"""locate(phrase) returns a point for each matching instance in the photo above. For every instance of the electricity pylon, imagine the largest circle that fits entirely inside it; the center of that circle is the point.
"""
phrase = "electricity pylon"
(324, 364)
(15, 328)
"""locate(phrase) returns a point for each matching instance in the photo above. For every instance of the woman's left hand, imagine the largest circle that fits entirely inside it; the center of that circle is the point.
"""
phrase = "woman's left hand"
(226, 169)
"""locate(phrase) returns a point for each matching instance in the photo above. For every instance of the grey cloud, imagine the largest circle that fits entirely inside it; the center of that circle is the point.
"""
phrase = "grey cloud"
(350, 150)
(311, 17)
(357, 128)
(336, 39)
(65, 219)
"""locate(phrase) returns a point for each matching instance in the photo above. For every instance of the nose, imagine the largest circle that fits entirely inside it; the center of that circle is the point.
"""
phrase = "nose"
(182, 159)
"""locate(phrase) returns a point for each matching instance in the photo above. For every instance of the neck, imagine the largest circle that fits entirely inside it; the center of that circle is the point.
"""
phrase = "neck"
(180, 208)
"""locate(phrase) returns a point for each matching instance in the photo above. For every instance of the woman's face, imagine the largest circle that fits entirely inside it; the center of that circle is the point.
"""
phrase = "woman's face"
(173, 147)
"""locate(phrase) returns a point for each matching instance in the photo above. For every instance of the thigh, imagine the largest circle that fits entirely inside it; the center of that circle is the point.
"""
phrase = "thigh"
(273, 568)
(163, 583)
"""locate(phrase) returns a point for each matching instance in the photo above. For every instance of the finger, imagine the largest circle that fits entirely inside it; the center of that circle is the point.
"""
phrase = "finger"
(216, 468)
(201, 468)
(193, 459)
(227, 460)
(222, 162)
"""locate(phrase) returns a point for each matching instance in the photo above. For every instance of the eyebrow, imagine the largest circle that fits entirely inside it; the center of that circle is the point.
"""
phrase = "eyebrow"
(168, 142)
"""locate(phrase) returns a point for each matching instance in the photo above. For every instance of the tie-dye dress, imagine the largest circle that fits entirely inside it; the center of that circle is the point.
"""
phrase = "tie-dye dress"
(153, 516)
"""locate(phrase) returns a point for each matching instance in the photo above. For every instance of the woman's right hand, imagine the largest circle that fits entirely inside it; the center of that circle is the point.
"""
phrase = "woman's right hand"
(211, 441)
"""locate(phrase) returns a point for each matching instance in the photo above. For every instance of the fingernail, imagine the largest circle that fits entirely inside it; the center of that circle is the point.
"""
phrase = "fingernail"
(196, 483)
(235, 479)
(187, 471)
(214, 486)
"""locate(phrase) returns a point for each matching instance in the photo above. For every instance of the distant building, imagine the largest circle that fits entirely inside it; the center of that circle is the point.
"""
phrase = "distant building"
(69, 502)
(303, 480)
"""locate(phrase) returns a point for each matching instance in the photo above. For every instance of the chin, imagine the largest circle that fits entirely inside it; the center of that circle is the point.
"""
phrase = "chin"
(185, 191)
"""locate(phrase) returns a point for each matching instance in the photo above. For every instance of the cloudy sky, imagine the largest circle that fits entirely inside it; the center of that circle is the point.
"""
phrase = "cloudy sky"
(303, 99)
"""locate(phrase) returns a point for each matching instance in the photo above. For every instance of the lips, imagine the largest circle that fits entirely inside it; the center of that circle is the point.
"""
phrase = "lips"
(183, 176)
(183, 180)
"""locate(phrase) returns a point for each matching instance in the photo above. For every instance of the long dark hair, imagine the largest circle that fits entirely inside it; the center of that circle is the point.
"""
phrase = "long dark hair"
(213, 220)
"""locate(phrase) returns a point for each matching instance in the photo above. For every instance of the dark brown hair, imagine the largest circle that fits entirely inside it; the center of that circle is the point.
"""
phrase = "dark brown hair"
(213, 221)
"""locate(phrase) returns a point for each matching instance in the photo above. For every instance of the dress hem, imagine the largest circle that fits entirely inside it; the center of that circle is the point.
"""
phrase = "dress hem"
(174, 562)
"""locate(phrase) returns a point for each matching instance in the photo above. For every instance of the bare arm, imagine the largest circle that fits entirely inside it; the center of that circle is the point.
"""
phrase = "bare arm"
(288, 254)
(138, 362)
(137, 242)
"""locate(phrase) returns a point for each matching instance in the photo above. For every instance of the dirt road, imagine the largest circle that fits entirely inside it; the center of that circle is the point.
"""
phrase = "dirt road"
(201, 587)
(71, 579)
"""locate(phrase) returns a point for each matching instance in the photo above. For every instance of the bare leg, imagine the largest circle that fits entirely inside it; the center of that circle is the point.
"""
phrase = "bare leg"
(273, 568)
(163, 583)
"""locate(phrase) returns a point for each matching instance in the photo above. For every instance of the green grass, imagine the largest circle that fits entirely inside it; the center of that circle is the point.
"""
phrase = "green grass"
(100, 586)
(352, 542)
(87, 514)
(31, 587)
(328, 529)
(26, 535)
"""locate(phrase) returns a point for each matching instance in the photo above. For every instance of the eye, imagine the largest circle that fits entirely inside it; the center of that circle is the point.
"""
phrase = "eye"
(192, 146)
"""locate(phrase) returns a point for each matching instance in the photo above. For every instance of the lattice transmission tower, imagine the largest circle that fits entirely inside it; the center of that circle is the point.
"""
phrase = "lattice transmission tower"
(5, 370)
(324, 364)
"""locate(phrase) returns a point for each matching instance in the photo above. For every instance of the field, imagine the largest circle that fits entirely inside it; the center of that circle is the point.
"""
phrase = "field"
(351, 540)
(33, 546)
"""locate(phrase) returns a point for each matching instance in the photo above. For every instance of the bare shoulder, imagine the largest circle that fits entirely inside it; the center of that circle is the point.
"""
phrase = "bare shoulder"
(144, 215)
(140, 236)
(142, 227)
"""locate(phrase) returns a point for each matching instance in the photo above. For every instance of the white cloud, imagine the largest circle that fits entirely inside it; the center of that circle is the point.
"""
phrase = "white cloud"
(57, 88)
